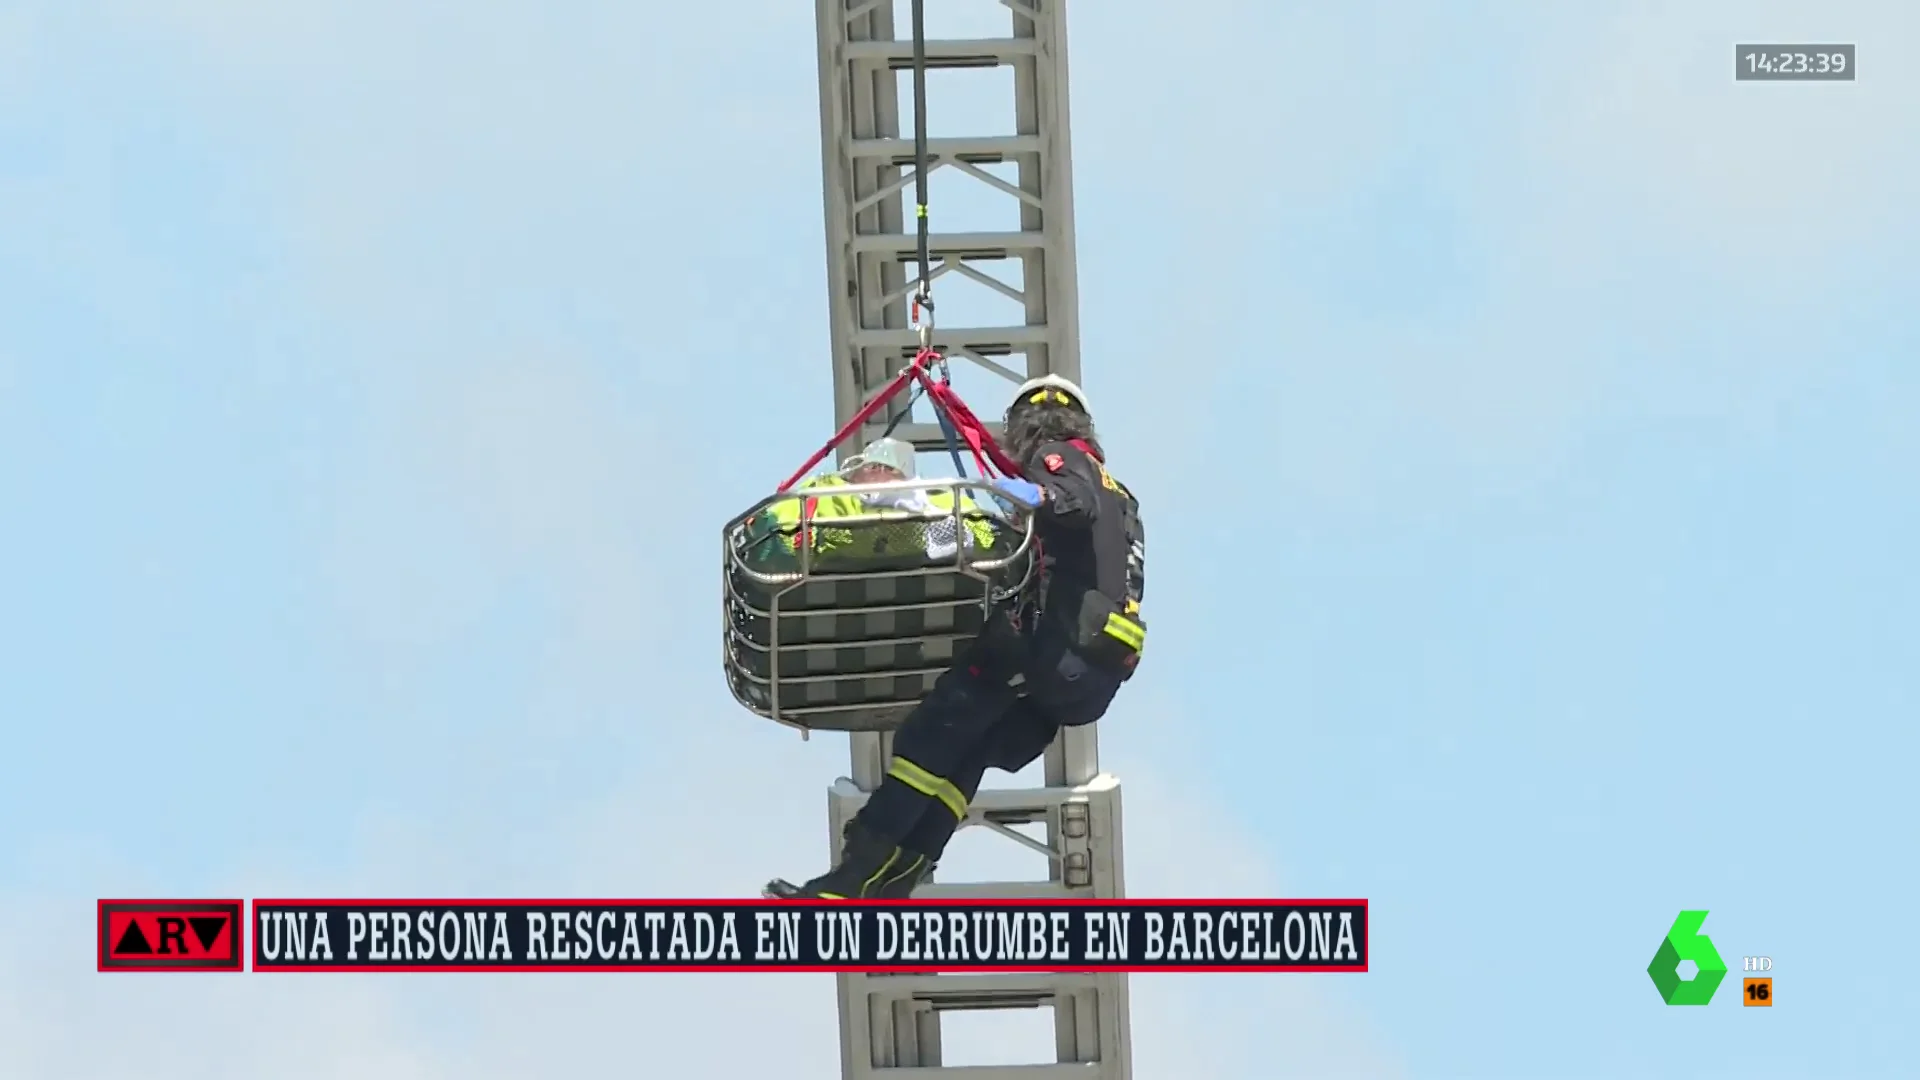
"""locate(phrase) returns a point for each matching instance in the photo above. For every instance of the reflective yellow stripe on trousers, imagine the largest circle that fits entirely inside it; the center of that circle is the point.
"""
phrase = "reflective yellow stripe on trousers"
(929, 785)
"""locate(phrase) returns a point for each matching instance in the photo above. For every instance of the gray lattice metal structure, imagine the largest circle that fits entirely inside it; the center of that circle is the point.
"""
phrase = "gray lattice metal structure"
(890, 1025)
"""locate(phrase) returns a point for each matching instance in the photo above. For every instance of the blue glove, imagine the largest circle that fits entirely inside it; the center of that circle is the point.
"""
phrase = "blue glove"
(1020, 491)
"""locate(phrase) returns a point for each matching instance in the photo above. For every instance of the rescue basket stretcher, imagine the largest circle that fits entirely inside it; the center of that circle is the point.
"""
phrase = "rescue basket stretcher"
(843, 622)
(847, 626)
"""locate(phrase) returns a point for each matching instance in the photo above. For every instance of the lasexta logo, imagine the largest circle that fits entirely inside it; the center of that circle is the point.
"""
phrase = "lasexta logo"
(1686, 942)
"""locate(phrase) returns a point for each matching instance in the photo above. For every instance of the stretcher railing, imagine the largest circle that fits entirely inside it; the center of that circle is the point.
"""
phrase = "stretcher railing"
(852, 640)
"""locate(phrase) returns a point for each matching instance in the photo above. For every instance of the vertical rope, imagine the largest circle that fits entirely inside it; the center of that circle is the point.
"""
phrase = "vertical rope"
(920, 155)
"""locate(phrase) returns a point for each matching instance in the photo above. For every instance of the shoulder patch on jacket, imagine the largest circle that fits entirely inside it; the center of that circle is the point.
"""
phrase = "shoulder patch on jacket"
(1055, 462)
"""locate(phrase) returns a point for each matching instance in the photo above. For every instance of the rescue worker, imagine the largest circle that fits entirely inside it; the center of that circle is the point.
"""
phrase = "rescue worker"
(1054, 659)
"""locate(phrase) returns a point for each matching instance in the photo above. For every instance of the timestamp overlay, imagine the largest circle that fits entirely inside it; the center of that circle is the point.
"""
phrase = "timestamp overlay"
(1793, 63)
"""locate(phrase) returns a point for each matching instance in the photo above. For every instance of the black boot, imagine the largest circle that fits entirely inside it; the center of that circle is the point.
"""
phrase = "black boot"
(904, 877)
(870, 868)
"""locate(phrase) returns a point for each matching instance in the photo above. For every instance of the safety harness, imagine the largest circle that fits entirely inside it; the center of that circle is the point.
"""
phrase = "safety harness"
(1103, 623)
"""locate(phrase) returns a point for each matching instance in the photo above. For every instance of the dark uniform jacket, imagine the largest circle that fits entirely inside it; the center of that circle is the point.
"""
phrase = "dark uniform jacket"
(1094, 551)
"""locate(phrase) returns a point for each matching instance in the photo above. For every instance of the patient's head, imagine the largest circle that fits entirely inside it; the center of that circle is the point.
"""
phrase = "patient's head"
(883, 460)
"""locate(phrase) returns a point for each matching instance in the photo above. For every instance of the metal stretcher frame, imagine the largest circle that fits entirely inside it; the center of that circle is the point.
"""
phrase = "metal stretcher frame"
(965, 562)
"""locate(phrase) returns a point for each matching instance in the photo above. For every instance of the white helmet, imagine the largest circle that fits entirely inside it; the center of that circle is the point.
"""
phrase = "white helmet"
(1055, 388)
(888, 453)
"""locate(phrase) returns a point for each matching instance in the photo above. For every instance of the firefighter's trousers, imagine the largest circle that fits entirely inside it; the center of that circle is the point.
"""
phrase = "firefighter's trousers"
(973, 720)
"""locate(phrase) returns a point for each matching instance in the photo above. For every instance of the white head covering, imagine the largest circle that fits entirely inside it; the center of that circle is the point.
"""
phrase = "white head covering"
(895, 454)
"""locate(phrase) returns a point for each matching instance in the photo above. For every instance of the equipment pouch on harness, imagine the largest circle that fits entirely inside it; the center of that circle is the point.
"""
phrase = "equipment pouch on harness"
(1109, 634)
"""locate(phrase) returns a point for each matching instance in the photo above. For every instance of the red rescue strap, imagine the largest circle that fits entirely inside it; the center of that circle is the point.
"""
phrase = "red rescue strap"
(968, 426)
(853, 425)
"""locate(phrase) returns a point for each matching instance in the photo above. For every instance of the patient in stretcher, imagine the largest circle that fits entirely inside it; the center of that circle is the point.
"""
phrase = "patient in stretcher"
(916, 521)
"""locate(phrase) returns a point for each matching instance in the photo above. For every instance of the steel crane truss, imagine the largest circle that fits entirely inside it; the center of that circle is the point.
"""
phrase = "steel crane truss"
(890, 1024)
(870, 168)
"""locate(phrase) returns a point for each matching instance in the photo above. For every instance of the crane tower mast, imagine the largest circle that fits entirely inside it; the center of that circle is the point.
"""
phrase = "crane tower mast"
(890, 1024)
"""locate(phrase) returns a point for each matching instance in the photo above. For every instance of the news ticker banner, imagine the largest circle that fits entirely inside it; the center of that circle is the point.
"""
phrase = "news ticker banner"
(752, 935)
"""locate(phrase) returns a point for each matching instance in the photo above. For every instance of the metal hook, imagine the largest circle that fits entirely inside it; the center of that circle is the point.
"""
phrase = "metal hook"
(922, 320)
(921, 316)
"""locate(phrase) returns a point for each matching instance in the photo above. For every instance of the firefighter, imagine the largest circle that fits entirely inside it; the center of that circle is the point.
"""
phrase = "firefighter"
(1054, 659)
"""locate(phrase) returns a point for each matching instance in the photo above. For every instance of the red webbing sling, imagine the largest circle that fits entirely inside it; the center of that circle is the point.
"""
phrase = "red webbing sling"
(970, 429)
(966, 425)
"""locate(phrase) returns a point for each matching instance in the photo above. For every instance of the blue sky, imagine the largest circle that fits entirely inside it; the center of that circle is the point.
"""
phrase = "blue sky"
(1523, 410)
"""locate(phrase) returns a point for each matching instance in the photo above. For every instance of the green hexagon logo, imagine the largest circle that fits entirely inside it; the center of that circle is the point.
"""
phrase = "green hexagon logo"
(1685, 942)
